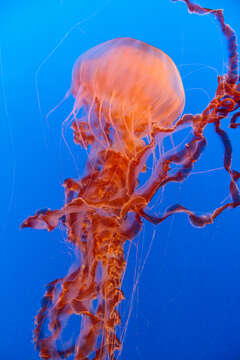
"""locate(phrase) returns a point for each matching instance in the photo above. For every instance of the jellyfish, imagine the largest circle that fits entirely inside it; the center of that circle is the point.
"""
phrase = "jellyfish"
(128, 97)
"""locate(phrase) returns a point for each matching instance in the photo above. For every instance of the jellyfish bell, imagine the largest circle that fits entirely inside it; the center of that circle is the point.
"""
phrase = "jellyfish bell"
(128, 86)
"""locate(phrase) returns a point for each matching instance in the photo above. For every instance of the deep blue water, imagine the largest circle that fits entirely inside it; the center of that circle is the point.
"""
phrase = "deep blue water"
(186, 305)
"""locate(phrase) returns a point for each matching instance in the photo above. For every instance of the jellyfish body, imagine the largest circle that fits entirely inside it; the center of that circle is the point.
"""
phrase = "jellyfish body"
(131, 86)
(125, 91)
(131, 78)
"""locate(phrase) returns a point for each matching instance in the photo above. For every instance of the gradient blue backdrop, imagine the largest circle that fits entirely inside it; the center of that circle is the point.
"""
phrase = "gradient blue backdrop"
(186, 305)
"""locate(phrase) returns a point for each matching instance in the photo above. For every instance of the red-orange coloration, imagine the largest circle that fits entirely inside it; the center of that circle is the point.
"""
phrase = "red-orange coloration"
(132, 96)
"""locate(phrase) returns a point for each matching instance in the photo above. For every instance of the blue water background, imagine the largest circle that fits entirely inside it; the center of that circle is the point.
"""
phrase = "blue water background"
(186, 304)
